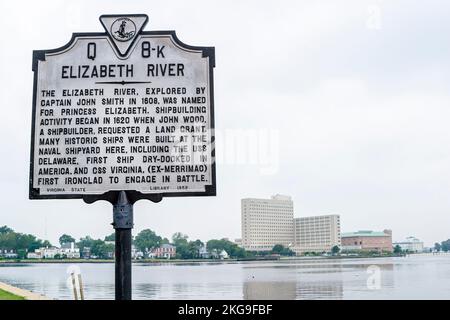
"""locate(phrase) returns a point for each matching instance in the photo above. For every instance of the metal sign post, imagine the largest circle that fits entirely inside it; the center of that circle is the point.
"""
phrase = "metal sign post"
(123, 223)
(123, 115)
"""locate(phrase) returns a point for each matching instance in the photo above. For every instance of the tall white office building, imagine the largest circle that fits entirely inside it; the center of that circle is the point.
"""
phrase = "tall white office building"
(267, 222)
(317, 233)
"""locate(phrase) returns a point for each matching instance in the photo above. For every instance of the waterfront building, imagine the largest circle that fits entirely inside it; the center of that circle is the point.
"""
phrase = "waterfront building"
(43, 253)
(86, 253)
(50, 252)
(267, 222)
(223, 255)
(34, 255)
(366, 240)
(316, 233)
(203, 252)
(411, 244)
(219, 254)
(69, 251)
(8, 254)
(136, 254)
(164, 251)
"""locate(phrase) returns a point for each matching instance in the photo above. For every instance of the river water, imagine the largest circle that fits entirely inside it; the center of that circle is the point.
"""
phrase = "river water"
(412, 277)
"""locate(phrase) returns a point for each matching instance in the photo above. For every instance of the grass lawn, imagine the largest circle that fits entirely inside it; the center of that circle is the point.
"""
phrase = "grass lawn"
(9, 296)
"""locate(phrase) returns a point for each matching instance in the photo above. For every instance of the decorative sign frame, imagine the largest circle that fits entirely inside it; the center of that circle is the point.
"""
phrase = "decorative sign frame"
(85, 63)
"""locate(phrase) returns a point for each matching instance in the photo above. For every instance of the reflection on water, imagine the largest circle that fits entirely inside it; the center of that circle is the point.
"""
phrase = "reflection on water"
(260, 290)
(318, 290)
(309, 279)
(414, 277)
(292, 290)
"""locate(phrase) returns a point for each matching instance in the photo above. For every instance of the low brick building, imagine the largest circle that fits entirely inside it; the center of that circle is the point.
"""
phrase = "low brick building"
(367, 241)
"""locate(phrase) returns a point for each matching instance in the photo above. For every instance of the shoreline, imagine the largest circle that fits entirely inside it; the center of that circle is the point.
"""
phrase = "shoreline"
(181, 261)
(14, 293)
(100, 261)
(5, 295)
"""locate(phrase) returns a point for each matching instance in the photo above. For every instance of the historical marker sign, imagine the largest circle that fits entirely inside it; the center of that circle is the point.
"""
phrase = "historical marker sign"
(127, 110)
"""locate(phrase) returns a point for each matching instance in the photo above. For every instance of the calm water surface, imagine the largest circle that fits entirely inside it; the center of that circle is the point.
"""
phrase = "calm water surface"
(413, 277)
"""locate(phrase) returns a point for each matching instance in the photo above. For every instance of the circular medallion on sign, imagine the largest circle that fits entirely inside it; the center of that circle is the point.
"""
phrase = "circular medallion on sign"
(123, 29)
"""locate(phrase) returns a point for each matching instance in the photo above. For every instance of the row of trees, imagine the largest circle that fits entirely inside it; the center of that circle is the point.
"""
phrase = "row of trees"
(443, 246)
(19, 242)
(145, 241)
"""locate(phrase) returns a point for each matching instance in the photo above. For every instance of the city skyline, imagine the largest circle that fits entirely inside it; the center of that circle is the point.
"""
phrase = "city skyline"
(296, 219)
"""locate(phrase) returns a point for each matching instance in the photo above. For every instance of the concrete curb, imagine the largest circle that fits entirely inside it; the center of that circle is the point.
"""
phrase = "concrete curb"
(28, 295)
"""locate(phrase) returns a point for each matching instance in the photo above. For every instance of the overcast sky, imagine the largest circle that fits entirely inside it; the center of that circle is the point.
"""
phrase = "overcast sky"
(350, 99)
